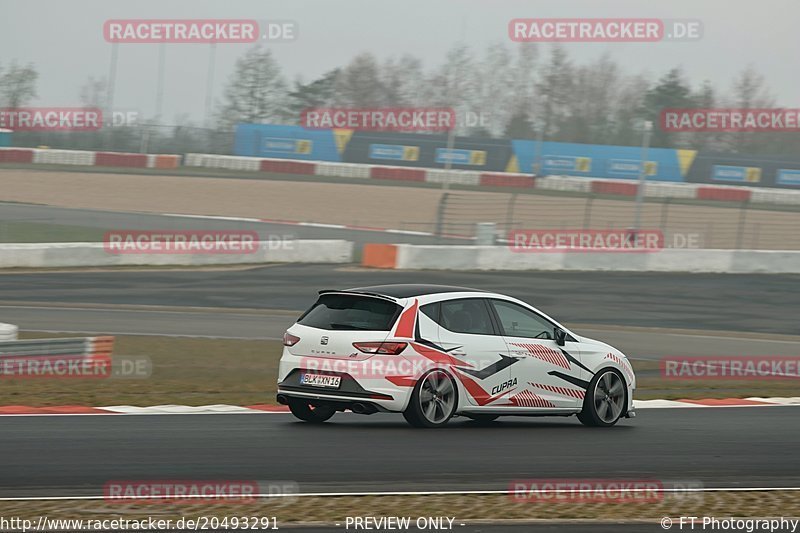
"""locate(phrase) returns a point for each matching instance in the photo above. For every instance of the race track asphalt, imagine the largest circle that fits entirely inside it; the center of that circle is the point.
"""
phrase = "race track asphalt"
(77, 455)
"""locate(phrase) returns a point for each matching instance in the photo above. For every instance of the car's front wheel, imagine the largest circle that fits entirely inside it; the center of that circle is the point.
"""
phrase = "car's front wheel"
(316, 414)
(433, 401)
(605, 400)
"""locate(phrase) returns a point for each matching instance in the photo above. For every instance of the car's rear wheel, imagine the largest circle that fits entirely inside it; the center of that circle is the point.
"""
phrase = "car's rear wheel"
(308, 412)
(433, 401)
(605, 400)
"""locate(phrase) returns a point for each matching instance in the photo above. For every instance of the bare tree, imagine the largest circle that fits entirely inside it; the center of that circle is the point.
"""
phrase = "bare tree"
(18, 85)
(359, 83)
(256, 92)
(93, 92)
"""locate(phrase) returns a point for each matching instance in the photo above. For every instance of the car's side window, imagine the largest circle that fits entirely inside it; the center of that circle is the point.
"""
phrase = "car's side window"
(520, 322)
(469, 315)
(431, 311)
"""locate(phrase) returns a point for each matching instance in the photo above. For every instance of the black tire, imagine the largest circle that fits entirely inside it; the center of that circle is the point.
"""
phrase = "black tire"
(433, 401)
(482, 418)
(307, 412)
(602, 407)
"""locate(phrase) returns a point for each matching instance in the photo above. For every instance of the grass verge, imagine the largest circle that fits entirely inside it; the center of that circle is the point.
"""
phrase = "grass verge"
(193, 371)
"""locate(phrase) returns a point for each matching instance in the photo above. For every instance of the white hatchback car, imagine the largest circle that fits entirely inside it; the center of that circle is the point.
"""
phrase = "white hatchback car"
(433, 352)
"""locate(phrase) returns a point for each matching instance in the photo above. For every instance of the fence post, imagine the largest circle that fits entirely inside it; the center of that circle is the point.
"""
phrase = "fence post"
(440, 214)
(510, 212)
(587, 212)
(742, 218)
(665, 214)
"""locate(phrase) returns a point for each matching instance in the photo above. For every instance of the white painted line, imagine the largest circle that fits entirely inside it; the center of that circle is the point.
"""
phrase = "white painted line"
(211, 217)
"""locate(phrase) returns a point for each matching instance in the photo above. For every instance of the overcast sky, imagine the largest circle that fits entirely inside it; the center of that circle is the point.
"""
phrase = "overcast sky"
(64, 39)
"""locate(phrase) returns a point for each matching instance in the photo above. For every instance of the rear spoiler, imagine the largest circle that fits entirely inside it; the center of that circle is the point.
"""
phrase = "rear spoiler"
(360, 293)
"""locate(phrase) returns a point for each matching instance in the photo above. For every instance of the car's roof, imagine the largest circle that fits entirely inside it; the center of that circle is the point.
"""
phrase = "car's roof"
(408, 290)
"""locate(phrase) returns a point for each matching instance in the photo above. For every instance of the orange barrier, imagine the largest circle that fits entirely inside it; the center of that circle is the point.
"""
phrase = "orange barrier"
(166, 161)
(379, 256)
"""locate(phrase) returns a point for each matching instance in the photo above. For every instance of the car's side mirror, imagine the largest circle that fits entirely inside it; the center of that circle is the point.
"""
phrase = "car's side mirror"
(561, 336)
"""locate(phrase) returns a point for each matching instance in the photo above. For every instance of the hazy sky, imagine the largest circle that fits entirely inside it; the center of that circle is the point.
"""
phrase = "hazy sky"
(64, 39)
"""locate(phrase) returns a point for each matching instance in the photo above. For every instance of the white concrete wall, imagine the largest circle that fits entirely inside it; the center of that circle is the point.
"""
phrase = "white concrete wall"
(433, 257)
(48, 255)
(8, 332)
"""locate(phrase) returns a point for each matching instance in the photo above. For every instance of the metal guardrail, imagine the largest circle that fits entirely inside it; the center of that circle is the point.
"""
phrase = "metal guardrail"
(74, 346)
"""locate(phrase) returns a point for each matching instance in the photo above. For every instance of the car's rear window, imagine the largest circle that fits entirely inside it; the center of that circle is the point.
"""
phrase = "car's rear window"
(351, 312)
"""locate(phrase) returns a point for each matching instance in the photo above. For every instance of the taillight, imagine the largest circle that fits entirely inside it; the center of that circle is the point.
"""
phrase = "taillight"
(389, 348)
(289, 339)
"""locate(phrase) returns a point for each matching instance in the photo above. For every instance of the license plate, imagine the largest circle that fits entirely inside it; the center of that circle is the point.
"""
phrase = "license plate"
(319, 380)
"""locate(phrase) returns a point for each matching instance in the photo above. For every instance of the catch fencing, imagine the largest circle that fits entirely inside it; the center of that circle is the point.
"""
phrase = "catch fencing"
(728, 225)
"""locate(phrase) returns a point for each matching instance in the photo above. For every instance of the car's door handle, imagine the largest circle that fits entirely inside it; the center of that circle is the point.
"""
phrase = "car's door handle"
(458, 353)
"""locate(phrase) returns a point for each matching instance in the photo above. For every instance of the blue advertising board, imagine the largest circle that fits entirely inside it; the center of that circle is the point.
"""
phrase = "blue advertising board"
(735, 174)
(788, 177)
(285, 142)
(460, 157)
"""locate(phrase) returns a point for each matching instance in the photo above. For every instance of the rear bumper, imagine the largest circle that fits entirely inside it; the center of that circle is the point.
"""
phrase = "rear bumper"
(351, 394)
(359, 406)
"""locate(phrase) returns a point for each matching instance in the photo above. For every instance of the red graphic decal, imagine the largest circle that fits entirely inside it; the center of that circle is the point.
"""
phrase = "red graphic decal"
(528, 399)
(438, 357)
(564, 391)
(402, 381)
(545, 354)
(477, 392)
(624, 364)
(406, 322)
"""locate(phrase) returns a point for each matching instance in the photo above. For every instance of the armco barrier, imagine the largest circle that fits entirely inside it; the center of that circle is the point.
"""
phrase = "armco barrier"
(16, 155)
(434, 257)
(489, 179)
(614, 187)
(64, 157)
(86, 346)
(116, 159)
(398, 173)
(86, 254)
(723, 194)
(8, 332)
(287, 167)
(47, 156)
(344, 170)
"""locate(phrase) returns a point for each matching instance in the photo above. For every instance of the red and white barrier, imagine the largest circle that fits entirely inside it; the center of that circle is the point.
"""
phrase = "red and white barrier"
(610, 187)
(47, 156)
